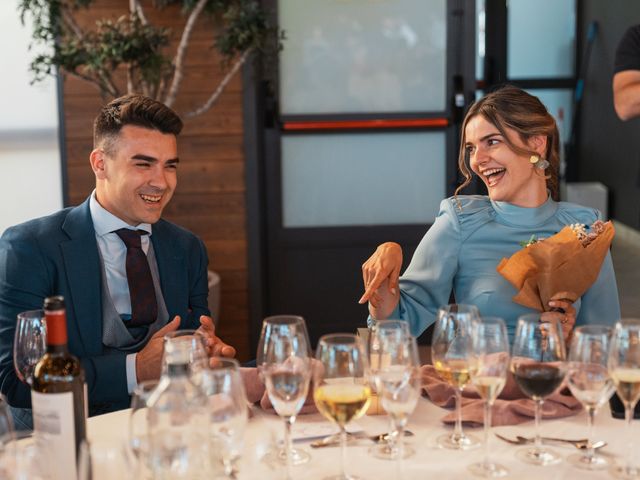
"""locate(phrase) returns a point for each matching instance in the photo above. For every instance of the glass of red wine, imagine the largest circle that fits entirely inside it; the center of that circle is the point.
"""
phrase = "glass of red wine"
(538, 366)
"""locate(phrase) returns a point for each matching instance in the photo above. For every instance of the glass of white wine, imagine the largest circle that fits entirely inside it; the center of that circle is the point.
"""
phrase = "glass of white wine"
(399, 384)
(341, 390)
(491, 354)
(590, 383)
(284, 359)
(624, 368)
(451, 350)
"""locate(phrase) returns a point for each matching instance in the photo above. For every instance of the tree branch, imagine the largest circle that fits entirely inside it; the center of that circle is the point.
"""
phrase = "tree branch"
(87, 78)
(211, 100)
(182, 50)
(71, 23)
(135, 6)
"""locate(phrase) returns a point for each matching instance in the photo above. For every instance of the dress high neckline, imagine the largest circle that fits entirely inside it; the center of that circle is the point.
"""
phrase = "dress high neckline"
(525, 216)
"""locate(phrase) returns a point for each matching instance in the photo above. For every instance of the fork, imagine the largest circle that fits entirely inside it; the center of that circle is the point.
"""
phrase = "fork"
(580, 444)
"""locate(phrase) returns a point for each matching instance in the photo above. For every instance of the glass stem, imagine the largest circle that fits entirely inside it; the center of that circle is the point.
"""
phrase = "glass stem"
(628, 416)
(343, 456)
(399, 434)
(538, 414)
(487, 427)
(288, 447)
(457, 433)
(591, 414)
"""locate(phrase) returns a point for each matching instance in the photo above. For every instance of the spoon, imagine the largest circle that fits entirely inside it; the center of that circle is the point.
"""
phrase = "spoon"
(579, 444)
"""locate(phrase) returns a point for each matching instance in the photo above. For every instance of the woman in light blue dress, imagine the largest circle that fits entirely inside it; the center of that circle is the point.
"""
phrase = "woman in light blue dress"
(510, 141)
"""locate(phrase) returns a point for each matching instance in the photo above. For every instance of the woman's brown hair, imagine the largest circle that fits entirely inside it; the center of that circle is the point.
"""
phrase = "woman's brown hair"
(512, 107)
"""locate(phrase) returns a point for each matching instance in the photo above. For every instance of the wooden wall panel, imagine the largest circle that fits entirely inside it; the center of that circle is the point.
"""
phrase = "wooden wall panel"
(210, 198)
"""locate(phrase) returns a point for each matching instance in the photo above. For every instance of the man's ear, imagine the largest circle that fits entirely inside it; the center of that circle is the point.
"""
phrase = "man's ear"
(98, 160)
(539, 144)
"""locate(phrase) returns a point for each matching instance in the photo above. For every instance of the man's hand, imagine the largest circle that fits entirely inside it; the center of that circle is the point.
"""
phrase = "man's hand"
(149, 359)
(215, 346)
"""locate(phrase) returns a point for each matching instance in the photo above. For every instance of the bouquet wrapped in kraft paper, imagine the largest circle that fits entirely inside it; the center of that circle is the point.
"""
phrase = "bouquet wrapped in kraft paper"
(568, 262)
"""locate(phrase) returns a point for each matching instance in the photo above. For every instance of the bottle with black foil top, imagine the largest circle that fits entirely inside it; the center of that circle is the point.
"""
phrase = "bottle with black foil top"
(58, 397)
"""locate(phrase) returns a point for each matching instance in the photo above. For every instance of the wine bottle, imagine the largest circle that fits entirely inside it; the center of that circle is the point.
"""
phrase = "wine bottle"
(58, 397)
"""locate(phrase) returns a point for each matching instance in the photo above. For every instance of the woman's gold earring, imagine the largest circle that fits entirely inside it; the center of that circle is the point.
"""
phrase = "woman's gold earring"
(538, 162)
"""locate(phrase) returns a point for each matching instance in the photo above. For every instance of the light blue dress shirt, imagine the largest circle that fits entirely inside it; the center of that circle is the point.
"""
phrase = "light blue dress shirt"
(463, 247)
(114, 255)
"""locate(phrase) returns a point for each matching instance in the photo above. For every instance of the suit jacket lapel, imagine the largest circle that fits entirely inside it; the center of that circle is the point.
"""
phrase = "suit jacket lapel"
(170, 259)
(82, 264)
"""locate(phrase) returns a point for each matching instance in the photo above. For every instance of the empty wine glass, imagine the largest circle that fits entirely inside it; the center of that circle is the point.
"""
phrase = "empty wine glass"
(451, 350)
(590, 382)
(227, 405)
(399, 384)
(538, 367)
(104, 459)
(624, 368)
(29, 344)
(22, 459)
(284, 359)
(139, 422)
(341, 390)
(491, 355)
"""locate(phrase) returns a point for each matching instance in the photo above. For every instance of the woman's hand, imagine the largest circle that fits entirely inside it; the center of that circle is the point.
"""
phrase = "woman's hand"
(564, 312)
(380, 274)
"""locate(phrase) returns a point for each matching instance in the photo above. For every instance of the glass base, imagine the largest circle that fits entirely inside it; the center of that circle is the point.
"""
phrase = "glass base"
(298, 457)
(458, 442)
(625, 472)
(386, 452)
(488, 470)
(540, 456)
(597, 462)
(342, 477)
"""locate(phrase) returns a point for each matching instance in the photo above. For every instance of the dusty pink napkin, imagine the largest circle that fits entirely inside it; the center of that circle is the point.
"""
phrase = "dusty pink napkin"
(511, 408)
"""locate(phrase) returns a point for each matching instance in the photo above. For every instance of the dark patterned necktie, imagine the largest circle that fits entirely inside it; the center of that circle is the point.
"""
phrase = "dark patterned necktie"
(144, 307)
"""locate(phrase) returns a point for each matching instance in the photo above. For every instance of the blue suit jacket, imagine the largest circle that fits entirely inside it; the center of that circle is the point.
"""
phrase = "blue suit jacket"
(58, 255)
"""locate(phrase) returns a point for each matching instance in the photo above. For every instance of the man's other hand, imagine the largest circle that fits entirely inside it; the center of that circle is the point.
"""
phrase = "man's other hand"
(215, 346)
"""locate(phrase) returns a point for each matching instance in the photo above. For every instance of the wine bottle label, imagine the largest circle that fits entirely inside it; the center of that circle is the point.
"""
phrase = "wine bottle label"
(54, 426)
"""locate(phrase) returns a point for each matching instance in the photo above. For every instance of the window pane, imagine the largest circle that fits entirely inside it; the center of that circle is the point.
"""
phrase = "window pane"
(361, 56)
(362, 179)
(541, 38)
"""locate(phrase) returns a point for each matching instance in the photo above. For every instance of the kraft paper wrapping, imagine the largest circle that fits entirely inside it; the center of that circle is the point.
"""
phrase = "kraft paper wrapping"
(556, 264)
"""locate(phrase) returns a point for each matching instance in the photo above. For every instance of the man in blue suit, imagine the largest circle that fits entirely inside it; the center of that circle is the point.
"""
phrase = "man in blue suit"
(77, 253)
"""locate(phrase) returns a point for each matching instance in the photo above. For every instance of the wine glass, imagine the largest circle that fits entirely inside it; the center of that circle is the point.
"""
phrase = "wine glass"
(29, 344)
(284, 359)
(491, 354)
(538, 367)
(341, 391)
(451, 354)
(399, 383)
(139, 422)
(590, 383)
(624, 368)
(228, 412)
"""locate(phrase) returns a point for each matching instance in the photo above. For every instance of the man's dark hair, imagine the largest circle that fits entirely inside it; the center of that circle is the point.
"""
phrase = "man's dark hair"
(133, 109)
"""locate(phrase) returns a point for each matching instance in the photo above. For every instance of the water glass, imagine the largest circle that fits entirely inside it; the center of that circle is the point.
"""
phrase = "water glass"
(29, 344)
(227, 406)
(590, 382)
(399, 385)
(451, 350)
(284, 360)
(139, 422)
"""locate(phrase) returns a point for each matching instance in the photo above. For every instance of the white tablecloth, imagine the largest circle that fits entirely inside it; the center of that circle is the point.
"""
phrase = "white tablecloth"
(430, 461)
